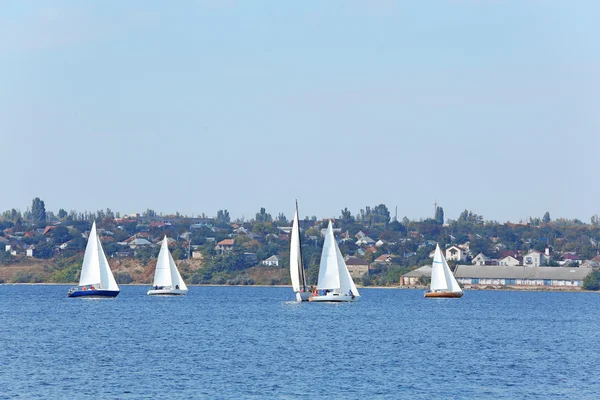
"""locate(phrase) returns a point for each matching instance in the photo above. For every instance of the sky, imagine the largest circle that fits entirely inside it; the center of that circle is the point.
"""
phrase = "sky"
(196, 106)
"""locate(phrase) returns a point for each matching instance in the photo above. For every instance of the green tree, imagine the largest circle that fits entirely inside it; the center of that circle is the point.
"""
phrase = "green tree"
(223, 217)
(282, 219)
(381, 214)
(263, 216)
(546, 218)
(38, 211)
(347, 217)
(60, 234)
(44, 250)
(592, 281)
(6, 258)
(398, 227)
(467, 217)
(62, 214)
(439, 215)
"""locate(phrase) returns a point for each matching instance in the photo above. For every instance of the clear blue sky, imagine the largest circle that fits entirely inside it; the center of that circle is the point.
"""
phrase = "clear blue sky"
(195, 106)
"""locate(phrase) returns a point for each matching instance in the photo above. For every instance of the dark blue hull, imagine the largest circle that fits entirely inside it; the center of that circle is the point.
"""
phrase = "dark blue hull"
(94, 293)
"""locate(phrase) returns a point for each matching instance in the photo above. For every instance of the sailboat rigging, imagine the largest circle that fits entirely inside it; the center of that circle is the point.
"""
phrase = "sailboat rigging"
(297, 274)
(443, 284)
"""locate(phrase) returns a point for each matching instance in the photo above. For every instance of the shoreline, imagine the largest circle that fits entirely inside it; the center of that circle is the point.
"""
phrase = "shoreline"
(467, 289)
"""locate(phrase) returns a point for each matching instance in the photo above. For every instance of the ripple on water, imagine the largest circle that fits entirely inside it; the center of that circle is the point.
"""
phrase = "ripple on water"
(256, 343)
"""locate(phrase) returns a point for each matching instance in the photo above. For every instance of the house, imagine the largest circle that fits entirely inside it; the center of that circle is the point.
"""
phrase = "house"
(360, 234)
(383, 259)
(365, 241)
(240, 231)
(29, 250)
(14, 248)
(225, 246)
(414, 277)
(533, 259)
(272, 261)
(139, 242)
(379, 243)
(520, 276)
(509, 261)
(456, 253)
(48, 229)
(357, 266)
(481, 259)
(572, 257)
(335, 231)
(286, 229)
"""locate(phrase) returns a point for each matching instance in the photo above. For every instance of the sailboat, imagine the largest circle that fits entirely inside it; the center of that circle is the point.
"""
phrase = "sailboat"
(167, 280)
(335, 282)
(443, 283)
(96, 279)
(296, 266)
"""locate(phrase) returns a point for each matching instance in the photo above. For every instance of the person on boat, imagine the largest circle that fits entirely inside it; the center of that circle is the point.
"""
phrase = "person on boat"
(177, 287)
(155, 287)
(92, 287)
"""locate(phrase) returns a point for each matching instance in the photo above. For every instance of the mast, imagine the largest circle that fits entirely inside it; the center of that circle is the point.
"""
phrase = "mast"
(302, 277)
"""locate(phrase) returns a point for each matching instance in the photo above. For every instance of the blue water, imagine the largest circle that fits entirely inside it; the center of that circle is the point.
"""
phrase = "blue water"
(253, 343)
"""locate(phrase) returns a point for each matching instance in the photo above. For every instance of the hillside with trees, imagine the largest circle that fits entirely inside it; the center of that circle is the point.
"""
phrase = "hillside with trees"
(42, 246)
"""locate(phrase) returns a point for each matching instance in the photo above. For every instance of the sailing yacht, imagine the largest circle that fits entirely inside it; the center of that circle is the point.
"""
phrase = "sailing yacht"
(167, 280)
(443, 283)
(96, 278)
(297, 274)
(335, 282)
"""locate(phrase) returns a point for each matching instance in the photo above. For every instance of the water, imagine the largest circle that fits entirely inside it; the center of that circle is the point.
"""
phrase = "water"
(253, 343)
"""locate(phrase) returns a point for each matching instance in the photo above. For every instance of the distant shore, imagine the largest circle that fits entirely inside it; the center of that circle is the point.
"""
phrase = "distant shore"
(483, 288)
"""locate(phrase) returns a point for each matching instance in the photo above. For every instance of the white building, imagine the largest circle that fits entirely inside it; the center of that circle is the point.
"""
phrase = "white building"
(272, 261)
(509, 261)
(456, 253)
(520, 276)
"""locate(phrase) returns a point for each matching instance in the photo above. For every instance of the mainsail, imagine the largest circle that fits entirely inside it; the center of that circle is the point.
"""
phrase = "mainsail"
(166, 273)
(333, 272)
(95, 269)
(296, 267)
(442, 278)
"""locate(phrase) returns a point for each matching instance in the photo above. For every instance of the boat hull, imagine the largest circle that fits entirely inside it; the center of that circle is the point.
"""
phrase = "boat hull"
(303, 296)
(167, 292)
(94, 293)
(333, 298)
(444, 295)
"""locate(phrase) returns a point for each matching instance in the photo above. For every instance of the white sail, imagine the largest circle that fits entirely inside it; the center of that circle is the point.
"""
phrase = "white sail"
(166, 273)
(90, 270)
(451, 282)
(329, 272)
(176, 279)
(162, 273)
(107, 280)
(295, 255)
(346, 281)
(442, 278)
(95, 269)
